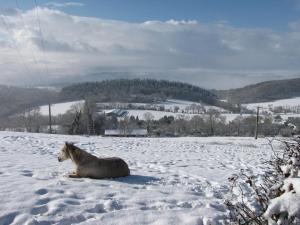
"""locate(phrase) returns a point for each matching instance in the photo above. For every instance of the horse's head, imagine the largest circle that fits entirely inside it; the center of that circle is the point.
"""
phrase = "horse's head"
(65, 152)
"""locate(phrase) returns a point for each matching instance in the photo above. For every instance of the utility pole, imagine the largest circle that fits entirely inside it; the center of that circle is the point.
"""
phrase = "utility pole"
(50, 119)
(257, 120)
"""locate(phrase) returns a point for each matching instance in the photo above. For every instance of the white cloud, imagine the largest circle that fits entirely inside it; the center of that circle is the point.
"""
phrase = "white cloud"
(64, 5)
(210, 55)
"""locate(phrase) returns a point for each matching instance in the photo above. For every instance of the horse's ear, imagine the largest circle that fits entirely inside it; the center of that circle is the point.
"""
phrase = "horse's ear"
(68, 144)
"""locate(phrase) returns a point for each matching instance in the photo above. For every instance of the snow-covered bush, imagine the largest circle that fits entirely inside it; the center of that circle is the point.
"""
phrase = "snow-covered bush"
(271, 198)
(285, 209)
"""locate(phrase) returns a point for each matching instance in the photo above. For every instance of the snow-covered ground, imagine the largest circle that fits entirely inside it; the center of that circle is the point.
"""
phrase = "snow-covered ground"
(156, 114)
(62, 108)
(160, 114)
(285, 116)
(173, 181)
(181, 104)
(290, 102)
(168, 105)
(59, 108)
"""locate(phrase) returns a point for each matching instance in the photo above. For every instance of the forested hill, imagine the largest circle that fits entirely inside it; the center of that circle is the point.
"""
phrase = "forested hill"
(140, 90)
(17, 99)
(263, 92)
(137, 90)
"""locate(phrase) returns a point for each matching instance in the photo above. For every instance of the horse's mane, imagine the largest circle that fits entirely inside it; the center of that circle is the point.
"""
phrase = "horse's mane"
(76, 153)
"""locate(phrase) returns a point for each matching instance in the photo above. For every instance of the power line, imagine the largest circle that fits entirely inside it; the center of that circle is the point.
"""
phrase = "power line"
(25, 27)
(39, 23)
(43, 50)
(3, 20)
(41, 36)
(257, 122)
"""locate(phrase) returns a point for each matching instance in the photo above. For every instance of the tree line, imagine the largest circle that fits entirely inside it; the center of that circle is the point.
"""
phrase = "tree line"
(84, 119)
(141, 91)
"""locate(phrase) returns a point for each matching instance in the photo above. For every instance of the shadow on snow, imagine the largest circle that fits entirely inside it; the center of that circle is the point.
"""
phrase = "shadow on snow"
(137, 179)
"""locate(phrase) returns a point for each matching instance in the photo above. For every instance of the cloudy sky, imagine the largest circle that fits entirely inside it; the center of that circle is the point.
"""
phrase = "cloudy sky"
(212, 43)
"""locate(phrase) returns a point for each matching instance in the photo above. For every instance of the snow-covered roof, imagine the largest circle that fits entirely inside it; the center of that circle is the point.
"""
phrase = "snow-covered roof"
(134, 132)
(117, 112)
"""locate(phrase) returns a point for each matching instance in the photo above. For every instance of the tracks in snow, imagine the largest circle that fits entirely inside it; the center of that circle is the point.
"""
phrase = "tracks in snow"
(174, 180)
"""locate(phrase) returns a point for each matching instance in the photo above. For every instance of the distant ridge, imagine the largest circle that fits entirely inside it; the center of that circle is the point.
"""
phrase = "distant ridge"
(140, 90)
(137, 90)
(262, 92)
(18, 99)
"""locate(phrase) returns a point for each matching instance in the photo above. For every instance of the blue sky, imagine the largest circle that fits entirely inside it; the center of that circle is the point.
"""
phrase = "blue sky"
(274, 14)
(214, 43)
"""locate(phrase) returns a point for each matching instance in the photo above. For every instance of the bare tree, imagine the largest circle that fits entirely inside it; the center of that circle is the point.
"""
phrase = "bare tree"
(200, 108)
(125, 125)
(148, 117)
(176, 109)
(32, 120)
(75, 114)
(213, 114)
(89, 109)
(193, 108)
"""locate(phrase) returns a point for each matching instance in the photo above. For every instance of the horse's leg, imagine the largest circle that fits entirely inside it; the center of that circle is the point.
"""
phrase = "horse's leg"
(73, 175)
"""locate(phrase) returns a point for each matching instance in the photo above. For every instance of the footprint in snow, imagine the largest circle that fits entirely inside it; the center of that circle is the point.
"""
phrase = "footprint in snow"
(110, 195)
(27, 173)
(43, 201)
(218, 206)
(71, 202)
(99, 208)
(41, 191)
(112, 205)
(39, 210)
(8, 218)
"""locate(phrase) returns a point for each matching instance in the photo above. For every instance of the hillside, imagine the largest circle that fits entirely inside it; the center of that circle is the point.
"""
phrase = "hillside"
(140, 90)
(262, 92)
(122, 90)
(144, 91)
(137, 90)
(17, 99)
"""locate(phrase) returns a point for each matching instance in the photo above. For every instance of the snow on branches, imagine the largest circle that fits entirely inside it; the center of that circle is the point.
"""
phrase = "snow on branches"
(273, 197)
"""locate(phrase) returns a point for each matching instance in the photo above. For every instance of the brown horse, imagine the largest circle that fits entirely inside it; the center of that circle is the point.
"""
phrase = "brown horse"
(88, 165)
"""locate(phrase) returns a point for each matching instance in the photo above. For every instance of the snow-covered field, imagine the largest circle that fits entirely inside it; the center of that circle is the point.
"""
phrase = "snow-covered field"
(173, 181)
(156, 114)
(62, 108)
(181, 104)
(160, 114)
(289, 102)
(59, 108)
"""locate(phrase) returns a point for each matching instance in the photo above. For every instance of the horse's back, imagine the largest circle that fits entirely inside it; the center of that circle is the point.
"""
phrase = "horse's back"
(114, 167)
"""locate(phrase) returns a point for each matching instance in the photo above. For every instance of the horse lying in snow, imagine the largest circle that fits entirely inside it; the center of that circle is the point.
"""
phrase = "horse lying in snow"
(88, 165)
